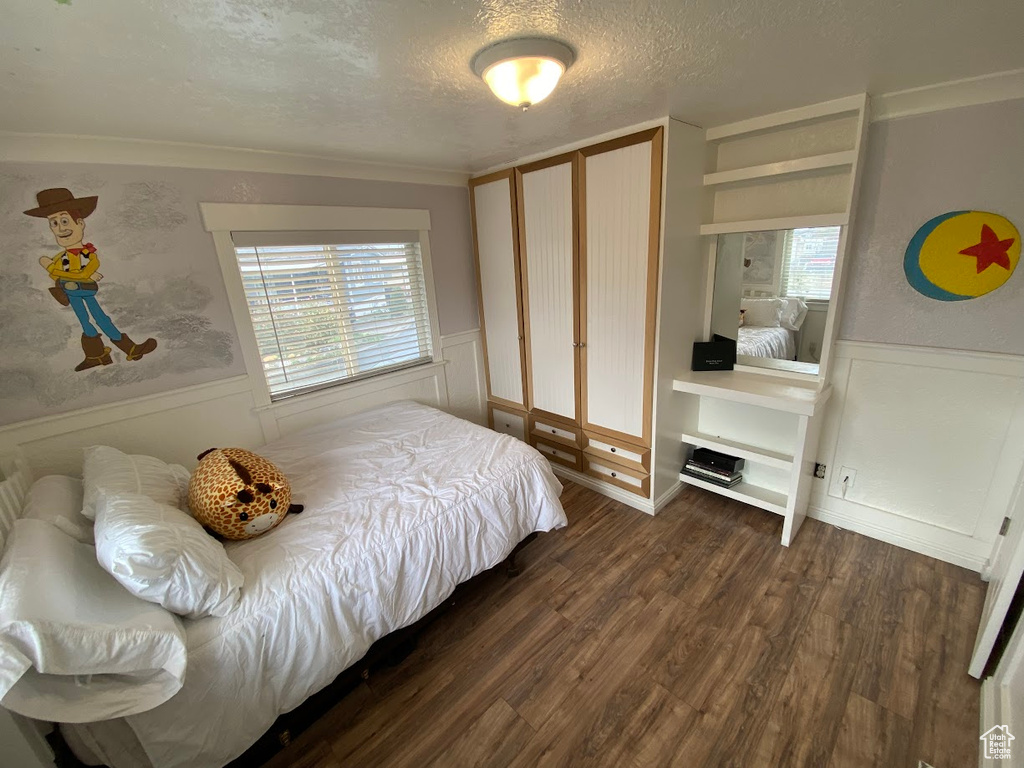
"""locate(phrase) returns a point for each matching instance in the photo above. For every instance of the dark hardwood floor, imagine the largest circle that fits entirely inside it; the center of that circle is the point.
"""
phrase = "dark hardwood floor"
(688, 639)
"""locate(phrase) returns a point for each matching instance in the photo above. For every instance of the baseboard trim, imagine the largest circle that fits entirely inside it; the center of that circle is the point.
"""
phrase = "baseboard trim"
(899, 539)
(611, 491)
(661, 502)
(991, 715)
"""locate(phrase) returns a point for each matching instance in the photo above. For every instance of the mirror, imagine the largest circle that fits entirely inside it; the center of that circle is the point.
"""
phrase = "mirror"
(771, 294)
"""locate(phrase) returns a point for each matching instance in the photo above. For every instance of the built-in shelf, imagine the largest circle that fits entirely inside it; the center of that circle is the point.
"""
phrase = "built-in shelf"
(783, 168)
(787, 118)
(772, 501)
(739, 450)
(776, 392)
(786, 222)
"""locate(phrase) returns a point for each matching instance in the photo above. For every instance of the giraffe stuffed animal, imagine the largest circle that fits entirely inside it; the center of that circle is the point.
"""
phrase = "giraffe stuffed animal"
(238, 495)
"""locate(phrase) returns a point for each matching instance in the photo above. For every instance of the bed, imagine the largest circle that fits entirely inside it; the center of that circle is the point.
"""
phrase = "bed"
(402, 504)
(776, 342)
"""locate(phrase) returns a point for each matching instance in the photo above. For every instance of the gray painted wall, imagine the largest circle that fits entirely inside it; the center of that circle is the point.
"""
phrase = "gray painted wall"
(917, 168)
(162, 278)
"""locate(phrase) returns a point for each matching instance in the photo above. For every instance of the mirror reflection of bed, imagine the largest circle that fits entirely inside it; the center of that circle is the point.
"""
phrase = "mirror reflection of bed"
(771, 295)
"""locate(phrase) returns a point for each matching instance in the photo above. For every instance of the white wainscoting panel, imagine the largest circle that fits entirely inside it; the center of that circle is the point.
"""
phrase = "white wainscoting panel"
(424, 384)
(464, 375)
(618, 195)
(547, 214)
(178, 425)
(936, 439)
(174, 426)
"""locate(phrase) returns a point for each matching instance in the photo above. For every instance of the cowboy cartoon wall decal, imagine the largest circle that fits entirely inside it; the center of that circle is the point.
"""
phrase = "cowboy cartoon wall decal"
(76, 281)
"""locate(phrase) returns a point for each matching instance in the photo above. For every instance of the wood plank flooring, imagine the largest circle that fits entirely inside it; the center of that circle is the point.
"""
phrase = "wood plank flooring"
(688, 639)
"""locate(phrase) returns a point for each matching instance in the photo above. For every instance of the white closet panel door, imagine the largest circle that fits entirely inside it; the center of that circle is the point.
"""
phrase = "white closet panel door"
(496, 252)
(547, 214)
(618, 210)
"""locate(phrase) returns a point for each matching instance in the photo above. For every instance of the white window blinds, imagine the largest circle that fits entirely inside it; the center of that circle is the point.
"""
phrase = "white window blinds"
(327, 313)
(809, 262)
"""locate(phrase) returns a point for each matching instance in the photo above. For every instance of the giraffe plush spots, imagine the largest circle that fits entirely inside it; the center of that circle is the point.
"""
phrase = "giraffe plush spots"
(237, 494)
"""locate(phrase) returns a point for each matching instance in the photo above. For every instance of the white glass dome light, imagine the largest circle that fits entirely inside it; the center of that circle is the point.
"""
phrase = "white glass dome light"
(523, 72)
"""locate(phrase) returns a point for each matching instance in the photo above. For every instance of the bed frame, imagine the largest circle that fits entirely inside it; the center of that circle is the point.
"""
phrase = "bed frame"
(389, 651)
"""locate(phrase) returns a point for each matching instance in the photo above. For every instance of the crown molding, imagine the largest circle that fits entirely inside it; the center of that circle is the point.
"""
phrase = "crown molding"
(572, 146)
(1000, 86)
(63, 148)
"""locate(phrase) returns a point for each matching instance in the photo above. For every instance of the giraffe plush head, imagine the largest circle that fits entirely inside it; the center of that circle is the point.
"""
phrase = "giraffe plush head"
(237, 494)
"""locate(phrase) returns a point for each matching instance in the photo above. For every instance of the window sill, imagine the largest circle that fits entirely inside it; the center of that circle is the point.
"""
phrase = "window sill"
(341, 392)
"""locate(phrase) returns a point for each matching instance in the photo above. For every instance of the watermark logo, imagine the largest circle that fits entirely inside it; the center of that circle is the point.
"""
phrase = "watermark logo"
(997, 742)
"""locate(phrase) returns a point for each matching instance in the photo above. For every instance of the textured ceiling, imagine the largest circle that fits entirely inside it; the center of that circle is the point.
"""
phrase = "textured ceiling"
(383, 80)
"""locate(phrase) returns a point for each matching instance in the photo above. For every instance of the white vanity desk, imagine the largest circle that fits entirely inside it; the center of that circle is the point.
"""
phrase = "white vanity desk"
(771, 422)
(779, 198)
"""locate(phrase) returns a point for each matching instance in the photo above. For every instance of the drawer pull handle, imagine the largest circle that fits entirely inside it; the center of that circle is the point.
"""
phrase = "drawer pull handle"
(613, 450)
(614, 475)
(554, 431)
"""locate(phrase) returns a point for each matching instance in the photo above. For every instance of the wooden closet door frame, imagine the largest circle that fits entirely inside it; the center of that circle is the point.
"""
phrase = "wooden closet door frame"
(656, 137)
(514, 213)
(573, 159)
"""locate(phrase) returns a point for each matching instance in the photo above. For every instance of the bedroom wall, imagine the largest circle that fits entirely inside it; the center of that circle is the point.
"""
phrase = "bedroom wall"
(928, 402)
(916, 168)
(161, 276)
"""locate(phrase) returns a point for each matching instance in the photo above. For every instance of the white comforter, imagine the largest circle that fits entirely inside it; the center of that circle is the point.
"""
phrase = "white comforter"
(756, 341)
(403, 503)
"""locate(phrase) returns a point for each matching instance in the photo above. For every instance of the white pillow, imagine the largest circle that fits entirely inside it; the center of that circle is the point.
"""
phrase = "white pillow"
(763, 313)
(164, 556)
(107, 469)
(182, 476)
(58, 500)
(793, 313)
(75, 647)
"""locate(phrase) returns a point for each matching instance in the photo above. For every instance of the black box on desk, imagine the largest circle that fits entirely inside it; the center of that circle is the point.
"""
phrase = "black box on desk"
(719, 460)
(719, 354)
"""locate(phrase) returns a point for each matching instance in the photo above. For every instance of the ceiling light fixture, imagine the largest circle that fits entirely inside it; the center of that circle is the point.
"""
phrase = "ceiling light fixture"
(523, 72)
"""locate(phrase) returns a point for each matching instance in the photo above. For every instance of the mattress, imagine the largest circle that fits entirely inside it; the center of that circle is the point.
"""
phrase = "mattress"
(402, 504)
(755, 341)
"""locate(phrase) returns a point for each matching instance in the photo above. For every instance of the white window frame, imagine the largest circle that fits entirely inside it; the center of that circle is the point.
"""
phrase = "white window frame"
(221, 219)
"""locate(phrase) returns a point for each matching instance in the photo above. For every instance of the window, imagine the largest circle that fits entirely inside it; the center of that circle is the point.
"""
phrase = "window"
(332, 307)
(809, 262)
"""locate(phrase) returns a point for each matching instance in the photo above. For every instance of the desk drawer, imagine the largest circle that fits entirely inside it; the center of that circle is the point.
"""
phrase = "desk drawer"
(554, 431)
(603, 449)
(508, 422)
(558, 453)
(627, 479)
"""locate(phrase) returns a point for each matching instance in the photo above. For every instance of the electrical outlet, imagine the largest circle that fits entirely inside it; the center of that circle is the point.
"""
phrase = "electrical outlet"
(819, 471)
(847, 478)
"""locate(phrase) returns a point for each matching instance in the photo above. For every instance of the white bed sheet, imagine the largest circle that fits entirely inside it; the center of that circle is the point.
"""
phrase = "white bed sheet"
(403, 503)
(757, 341)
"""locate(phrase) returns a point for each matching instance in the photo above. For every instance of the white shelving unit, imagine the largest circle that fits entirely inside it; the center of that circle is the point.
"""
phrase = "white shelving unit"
(739, 450)
(770, 422)
(748, 493)
(842, 159)
(787, 170)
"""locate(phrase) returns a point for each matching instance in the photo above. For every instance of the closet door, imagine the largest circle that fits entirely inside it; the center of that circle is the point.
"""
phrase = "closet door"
(492, 201)
(548, 257)
(620, 182)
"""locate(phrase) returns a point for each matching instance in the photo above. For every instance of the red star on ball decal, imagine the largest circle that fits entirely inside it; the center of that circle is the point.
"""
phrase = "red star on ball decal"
(991, 250)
